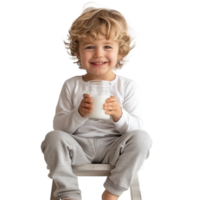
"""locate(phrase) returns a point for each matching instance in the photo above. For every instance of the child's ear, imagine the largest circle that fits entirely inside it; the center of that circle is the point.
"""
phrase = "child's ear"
(120, 56)
(78, 56)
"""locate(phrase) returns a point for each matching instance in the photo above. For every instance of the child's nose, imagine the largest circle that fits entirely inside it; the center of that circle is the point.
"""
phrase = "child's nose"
(98, 53)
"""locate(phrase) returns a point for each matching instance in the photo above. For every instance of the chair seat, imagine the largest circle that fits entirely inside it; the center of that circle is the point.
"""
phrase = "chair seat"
(92, 170)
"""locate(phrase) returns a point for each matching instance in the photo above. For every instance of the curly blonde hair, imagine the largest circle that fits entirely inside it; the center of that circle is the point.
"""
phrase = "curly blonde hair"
(90, 22)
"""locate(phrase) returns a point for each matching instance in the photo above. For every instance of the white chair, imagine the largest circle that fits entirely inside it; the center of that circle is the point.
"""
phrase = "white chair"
(101, 170)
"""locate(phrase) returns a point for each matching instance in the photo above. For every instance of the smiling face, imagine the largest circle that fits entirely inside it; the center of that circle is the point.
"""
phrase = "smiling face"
(98, 57)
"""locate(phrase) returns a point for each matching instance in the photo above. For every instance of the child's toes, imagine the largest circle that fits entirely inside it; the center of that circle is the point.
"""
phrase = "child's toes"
(101, 195)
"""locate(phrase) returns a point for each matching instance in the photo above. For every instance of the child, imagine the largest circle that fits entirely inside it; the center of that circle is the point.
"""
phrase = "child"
(99, 39)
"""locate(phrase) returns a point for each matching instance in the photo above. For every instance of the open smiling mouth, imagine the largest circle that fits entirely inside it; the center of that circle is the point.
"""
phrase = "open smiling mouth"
(98, 64)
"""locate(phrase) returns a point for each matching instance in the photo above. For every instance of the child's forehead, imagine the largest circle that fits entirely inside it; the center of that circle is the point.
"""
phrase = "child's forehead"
(100, 38)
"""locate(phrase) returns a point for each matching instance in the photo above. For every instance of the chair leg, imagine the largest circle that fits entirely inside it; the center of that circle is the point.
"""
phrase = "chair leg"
(134, 190)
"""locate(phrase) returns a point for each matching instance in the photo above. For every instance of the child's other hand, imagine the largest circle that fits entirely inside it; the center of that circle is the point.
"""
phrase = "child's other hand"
(113, 108)
(85, 106)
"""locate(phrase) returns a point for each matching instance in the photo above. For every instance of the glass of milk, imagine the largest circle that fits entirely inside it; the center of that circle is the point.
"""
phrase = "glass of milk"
(99, 91)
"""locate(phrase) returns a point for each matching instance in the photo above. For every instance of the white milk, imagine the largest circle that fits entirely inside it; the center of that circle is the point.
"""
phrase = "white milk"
(97, 111)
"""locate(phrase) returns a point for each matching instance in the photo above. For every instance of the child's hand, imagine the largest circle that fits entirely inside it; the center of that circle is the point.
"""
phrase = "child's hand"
(85, 106)
(113, 108)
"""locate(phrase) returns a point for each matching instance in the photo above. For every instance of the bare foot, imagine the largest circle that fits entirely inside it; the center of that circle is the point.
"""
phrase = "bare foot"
(108, 196)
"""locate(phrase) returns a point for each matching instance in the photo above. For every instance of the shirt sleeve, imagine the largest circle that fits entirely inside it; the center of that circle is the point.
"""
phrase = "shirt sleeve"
(132, 111)
(65, 117)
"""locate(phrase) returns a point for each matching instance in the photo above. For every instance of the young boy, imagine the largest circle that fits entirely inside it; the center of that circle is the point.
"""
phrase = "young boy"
(99, 39)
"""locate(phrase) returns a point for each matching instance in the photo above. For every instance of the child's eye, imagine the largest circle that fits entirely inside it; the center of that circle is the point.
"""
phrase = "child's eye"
(108, 47)
(89, 47)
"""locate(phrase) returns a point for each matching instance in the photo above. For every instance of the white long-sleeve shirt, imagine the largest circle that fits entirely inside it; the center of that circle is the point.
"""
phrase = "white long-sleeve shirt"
(68, 119)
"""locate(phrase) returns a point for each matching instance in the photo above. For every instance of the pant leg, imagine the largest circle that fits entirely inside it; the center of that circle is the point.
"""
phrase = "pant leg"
(127, 153)
(61, 152)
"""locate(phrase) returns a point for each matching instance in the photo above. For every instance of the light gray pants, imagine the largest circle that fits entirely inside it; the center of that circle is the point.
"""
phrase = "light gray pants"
(126, 152)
